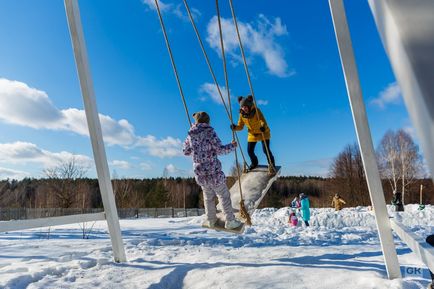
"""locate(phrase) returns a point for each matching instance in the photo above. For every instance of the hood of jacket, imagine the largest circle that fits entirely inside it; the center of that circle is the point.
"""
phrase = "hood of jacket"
(199, 128)
(250, 114)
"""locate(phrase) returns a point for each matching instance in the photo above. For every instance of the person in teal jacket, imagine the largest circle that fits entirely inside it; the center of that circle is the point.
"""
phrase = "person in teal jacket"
(305, 208)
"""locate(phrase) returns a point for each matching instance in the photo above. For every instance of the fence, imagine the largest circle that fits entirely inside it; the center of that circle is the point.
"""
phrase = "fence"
(7, 214)
(159, 212)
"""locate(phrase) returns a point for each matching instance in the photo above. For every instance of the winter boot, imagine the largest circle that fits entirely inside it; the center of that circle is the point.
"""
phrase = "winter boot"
(233, 224)
(209, 223)
(252, 167)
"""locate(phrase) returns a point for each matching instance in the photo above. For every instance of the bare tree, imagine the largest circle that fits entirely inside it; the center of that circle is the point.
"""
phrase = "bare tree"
(348, 174)
(68, 169)
(63, 179)
(410, 161)
(399, 160)
(122, 189)
(388, 159)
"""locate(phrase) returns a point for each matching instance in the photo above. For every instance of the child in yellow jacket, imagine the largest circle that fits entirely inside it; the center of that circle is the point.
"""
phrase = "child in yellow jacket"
(257, 128)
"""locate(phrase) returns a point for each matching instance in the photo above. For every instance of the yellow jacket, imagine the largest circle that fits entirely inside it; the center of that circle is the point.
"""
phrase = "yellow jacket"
(338, 203)
(253, 126)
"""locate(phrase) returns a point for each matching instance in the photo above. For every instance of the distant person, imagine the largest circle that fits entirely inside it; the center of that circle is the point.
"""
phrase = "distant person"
(296, 203)
(430, 240)
(338, 202)
(305, 209)
(295, 206)
(397, 201)
(204, 145)
(257, 129)
(293, 220)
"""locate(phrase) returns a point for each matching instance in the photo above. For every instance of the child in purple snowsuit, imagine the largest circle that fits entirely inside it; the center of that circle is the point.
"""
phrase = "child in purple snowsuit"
(204, 145)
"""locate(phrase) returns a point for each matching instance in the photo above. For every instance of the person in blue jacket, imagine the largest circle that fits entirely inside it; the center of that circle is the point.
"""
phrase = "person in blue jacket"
(305, 208)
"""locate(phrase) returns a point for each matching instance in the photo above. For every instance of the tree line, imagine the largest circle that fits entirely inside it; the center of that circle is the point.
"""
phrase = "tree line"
(66, 186)
(184, 192)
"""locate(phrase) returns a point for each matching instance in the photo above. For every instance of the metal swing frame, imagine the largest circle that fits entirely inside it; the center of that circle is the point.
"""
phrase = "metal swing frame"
(110, 213)
(411, 55)
(406, 29)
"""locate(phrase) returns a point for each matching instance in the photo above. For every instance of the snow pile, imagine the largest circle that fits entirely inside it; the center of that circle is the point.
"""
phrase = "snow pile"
(327, 217)
(270, 228)
(178, 253)
(413, 217)
(351, 217)
(329, 227)
(420, 222)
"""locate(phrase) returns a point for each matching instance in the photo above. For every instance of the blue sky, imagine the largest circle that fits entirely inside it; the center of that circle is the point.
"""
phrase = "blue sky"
(293, 59)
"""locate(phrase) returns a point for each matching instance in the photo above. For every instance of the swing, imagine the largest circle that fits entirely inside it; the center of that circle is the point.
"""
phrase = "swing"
(251, 187)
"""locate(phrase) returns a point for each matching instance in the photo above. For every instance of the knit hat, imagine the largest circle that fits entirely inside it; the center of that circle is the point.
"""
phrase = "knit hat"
(201, 117)
(246, 101)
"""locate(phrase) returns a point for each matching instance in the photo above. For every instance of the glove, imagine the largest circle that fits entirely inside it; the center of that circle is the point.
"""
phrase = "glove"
(233, 126)
(262, 128)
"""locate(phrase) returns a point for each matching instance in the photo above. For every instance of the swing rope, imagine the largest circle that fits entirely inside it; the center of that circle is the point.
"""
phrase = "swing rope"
(211, 70)
(246, 68)
(175, 71)
(243, 211)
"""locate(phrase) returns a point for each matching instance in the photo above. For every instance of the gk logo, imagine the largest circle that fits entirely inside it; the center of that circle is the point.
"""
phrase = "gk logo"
(413, 271)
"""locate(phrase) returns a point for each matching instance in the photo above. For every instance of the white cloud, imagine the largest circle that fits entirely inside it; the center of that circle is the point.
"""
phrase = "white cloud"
(172, 170)
(262, 102)
(120, 164)
(115, 132)
(163, 6)
(22, 105)
(390, 95)
(168, 147)
(177, 10)
(259, 39)
(209, 90)
(180, 12)
(6, 173)
(30, 107)
(25, 153)
(145, 166)
(26, 106)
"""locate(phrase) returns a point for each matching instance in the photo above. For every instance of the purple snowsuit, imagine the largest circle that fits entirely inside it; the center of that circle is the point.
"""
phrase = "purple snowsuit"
(203, 143)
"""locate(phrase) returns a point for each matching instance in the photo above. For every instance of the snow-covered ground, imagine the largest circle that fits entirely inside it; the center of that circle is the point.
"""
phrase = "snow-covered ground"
(340, 250)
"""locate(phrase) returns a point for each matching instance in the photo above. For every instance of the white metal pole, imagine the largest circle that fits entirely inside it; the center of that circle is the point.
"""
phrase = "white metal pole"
(94, 125)
(417, 244)
(364, 137)
(407, 32)
(18, 225)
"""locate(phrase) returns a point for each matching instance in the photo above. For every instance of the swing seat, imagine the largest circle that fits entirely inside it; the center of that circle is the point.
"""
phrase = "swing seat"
(255, 186)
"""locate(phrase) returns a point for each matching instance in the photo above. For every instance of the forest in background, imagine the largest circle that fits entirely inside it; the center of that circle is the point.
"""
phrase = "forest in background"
(177, 192)
(399, 161)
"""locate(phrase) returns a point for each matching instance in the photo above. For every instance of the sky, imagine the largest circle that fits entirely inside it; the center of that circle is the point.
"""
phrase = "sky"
(293, 61)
